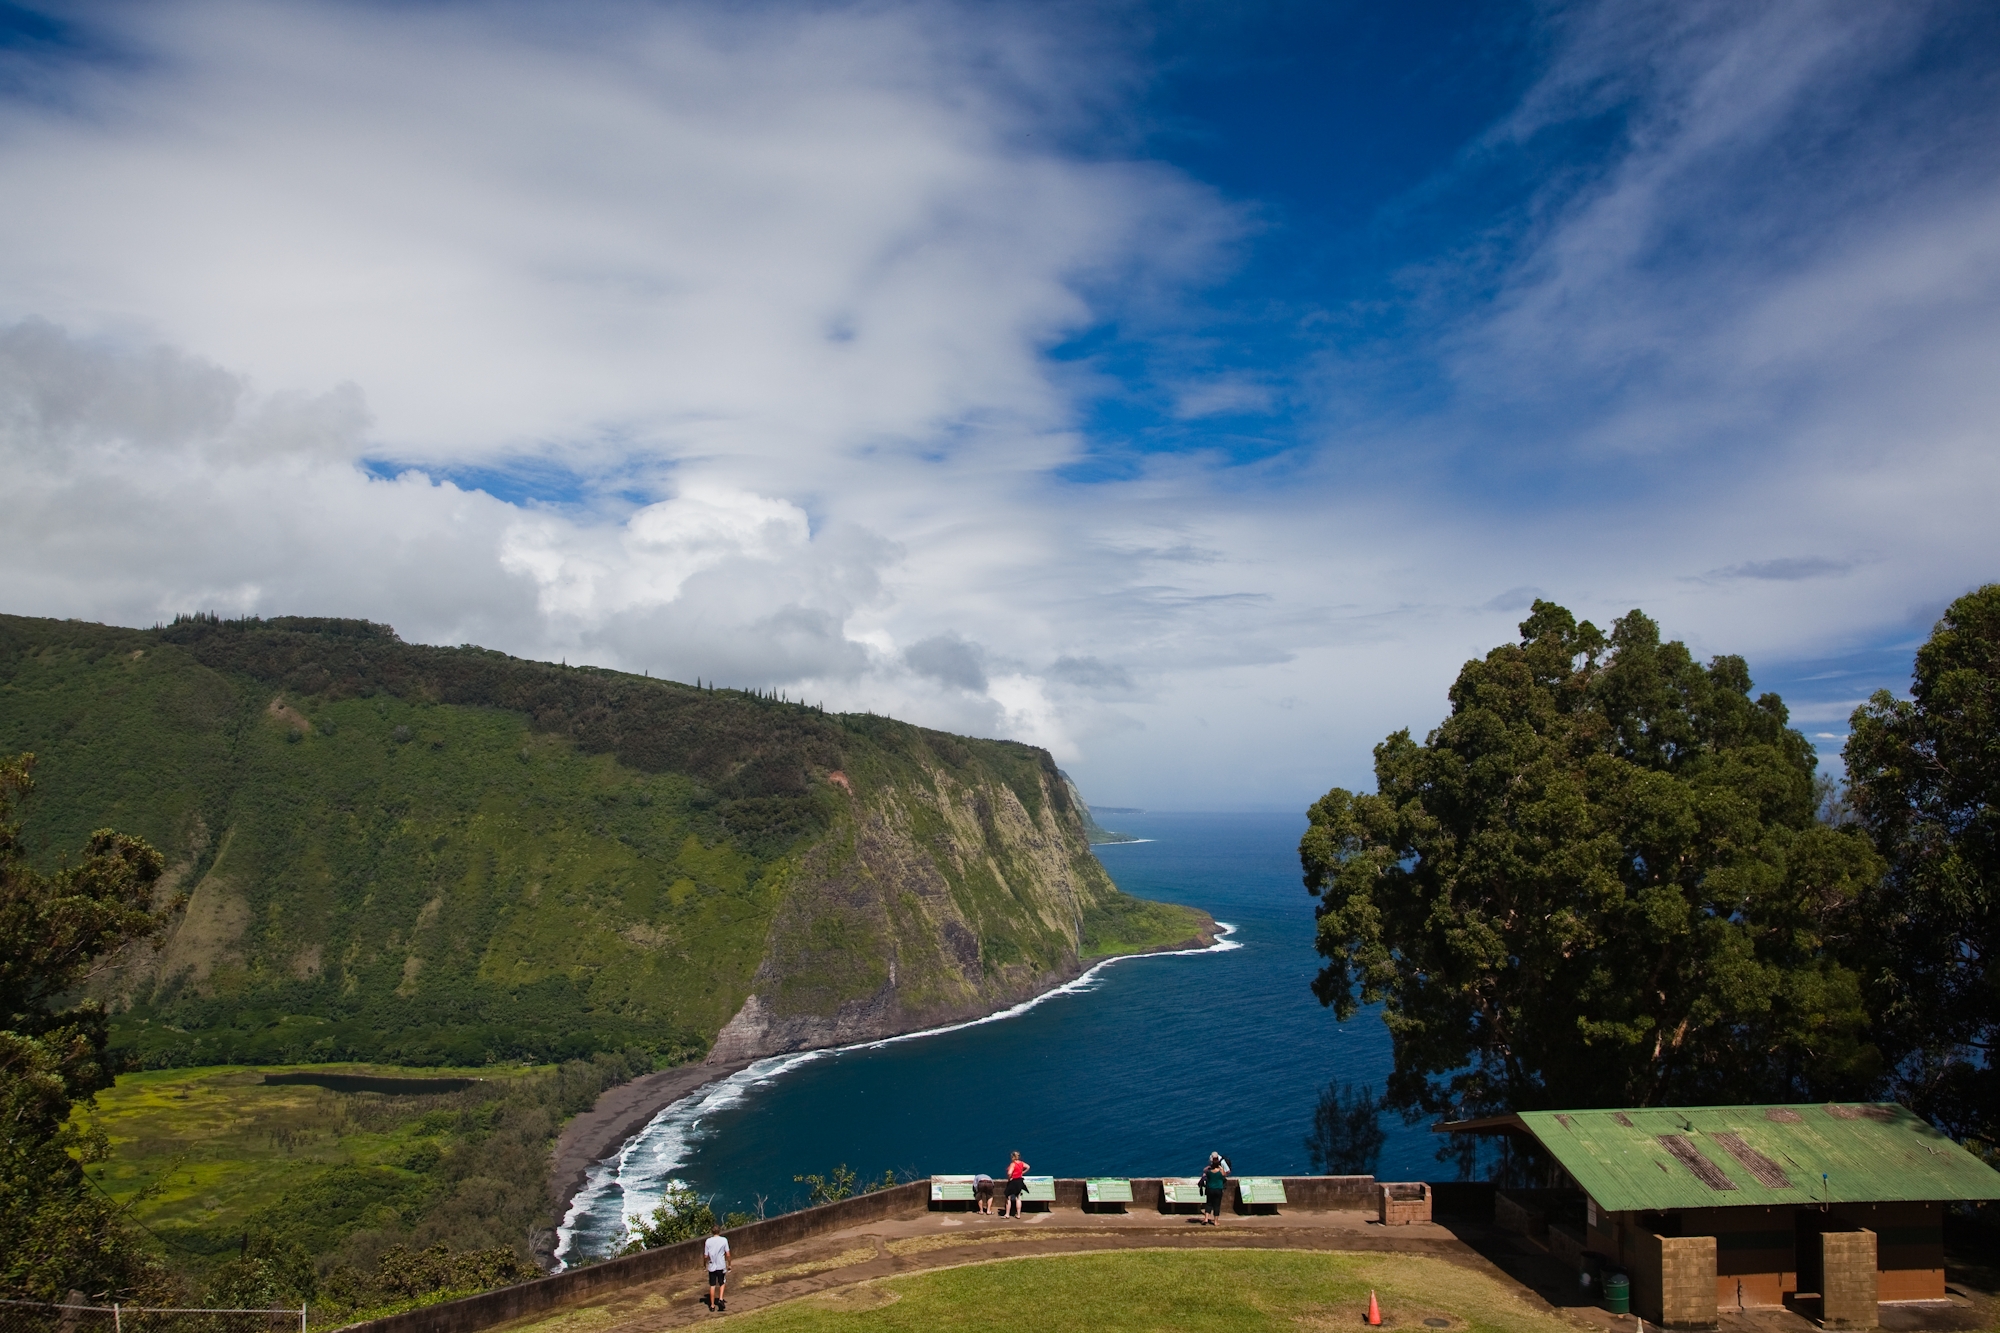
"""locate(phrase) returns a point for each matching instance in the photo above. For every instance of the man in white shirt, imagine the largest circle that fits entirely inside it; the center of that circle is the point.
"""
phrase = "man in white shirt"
(715, 1251)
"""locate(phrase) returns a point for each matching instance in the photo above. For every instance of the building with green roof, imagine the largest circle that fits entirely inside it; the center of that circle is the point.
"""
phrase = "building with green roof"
(1829, 1208)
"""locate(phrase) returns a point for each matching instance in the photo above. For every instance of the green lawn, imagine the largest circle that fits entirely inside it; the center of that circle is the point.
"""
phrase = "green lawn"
(1152, 1289)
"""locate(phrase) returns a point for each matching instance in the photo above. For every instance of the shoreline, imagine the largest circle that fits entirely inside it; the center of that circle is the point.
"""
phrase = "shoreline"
(622, 1112)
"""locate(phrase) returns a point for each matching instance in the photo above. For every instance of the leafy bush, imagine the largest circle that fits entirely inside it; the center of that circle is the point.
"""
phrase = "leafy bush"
(682, 1215)
(841, 1183)
(402, 1271)
(832, 1187)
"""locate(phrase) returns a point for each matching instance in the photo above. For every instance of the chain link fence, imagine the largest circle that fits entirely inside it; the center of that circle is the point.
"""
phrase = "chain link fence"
(34, 1317)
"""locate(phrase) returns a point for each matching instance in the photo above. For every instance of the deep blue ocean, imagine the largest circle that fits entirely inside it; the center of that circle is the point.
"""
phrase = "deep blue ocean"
(1142, 1070)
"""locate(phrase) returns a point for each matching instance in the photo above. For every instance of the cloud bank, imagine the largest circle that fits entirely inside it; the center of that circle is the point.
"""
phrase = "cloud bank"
(742, 343)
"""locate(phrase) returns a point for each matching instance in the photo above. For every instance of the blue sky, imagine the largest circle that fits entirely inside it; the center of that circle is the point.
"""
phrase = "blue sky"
(1187, 388)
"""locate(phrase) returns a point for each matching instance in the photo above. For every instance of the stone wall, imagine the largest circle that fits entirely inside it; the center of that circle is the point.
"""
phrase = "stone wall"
(1673, 1282)
(1848, 1295)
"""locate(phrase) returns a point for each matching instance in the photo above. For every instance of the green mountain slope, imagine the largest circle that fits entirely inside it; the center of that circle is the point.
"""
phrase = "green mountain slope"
(427, 855)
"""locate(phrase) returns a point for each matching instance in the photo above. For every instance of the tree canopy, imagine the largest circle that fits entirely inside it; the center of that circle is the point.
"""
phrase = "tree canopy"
(1924, 779)
(1600, 882)
(56, 1235)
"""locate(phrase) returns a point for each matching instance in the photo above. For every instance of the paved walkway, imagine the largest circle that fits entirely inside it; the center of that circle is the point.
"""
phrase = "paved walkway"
(831, 1266)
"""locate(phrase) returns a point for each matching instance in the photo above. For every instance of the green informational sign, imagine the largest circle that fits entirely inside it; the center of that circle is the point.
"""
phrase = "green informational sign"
(953, 1189)
(1107, 1191)
(1183, 1190)
(1260, 1189)
(1041, 1189)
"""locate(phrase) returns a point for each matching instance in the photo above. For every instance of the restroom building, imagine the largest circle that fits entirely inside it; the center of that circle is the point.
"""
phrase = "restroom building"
(1827, 1208)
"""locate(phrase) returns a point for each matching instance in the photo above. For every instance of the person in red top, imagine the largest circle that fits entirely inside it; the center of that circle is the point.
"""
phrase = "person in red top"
(1017, 1185)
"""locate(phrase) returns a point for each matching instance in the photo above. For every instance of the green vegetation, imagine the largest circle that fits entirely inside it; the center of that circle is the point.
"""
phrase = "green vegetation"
(1281, 1290)
(1926, 785)
(348, 1200)
(1124, 925)
(56, 1235)
(682, 1215)
(840, 1183)
(1601, 882)
(432, 856)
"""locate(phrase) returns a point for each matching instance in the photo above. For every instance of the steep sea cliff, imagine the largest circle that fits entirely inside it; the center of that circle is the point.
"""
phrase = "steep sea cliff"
(432, 855)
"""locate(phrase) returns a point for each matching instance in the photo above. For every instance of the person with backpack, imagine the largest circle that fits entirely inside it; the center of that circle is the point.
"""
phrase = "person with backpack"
(1214, 1184)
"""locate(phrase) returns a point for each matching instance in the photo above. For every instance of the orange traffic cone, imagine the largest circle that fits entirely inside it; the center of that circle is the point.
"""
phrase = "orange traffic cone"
(1374, 1310)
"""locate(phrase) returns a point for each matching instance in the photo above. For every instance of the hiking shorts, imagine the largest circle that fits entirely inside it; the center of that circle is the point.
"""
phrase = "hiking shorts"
(716, 1276)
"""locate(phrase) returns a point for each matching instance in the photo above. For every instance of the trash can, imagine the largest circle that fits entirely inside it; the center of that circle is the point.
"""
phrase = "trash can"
(1618, 1293)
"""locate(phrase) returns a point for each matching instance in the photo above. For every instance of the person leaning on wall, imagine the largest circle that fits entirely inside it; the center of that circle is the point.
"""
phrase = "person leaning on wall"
(1214, 1184)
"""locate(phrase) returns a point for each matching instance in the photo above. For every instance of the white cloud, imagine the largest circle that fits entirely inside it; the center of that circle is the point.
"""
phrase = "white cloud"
(777, 288)
(657, 551)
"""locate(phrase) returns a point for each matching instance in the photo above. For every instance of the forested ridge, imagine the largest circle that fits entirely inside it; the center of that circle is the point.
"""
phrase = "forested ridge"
(446, 855)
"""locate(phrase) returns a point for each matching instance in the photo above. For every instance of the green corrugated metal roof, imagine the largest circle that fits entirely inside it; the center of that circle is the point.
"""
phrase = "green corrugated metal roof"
(1731, 1156)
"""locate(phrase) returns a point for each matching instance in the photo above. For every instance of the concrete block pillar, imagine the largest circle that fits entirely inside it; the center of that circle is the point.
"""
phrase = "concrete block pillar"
(1676, 1281)
(1848, 1285)
(1401, 1204)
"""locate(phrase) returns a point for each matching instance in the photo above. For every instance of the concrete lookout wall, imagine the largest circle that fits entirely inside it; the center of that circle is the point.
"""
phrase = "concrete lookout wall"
(498, 1307)
(1312, 1194)
(473, 1313)
(1847, 1259)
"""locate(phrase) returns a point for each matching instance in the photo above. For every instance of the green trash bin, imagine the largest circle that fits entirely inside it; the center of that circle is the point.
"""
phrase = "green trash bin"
(1618, 1293)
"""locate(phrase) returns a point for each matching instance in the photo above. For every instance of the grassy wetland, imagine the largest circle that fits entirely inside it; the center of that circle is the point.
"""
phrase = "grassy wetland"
(316, 1194)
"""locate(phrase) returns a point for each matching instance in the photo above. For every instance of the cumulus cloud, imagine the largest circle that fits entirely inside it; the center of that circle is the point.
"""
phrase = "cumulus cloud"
(305, 291)
(696, 231)
(768, 283)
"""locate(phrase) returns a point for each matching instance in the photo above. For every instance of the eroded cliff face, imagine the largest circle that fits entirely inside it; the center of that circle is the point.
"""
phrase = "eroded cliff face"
(933, 902)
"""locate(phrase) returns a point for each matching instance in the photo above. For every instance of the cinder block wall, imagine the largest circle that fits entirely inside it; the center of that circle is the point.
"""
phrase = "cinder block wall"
(1674, 1284)
(1848, 1300)
(1687, 1281)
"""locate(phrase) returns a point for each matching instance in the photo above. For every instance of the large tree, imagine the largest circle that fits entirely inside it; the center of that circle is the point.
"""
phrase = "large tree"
(56, 1234)
(1600, 882)
(1924, 778)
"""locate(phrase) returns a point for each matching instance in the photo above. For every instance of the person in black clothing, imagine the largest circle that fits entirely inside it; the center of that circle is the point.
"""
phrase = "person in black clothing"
(1214, 1183)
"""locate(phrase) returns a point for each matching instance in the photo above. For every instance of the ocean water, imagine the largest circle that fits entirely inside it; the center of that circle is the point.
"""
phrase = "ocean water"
(1140, 1069)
